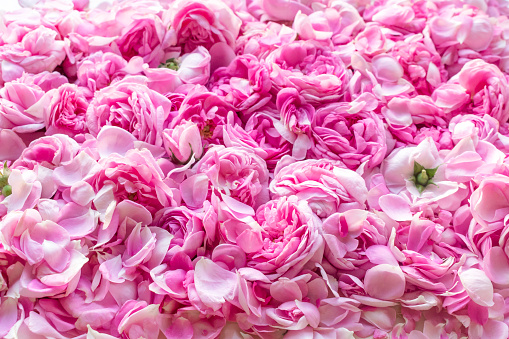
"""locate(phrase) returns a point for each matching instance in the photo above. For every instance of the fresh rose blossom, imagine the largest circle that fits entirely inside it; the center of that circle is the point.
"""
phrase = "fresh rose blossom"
(131, 105)
(99, 70)
(63, 110)
(245, 83)
(315, 71)
(290, 238)
(40, 50)
(147, 37)
(203, 24)
(241, 175)
(183, 142)
(353, 137)
(208, 111)
(326, 185)
(487, 86)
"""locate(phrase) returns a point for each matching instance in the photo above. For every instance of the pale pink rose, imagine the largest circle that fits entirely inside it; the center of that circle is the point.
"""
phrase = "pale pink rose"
(185, 225)
(450, 97)
(245, 83)
(236, 173)
(325, 185)
(135, 176)
(371, 41)
(489, 204)
(339, 22)
(48, 151)
(398, 171)
(348, 235)
(354, 138)
(290, 238)
(99, 70)
(47, 248)
(488, 88)
(260, 39)
(146, 36)
(15, 97)
(191, 68)
(203, 24)
(295, 125)
(421, 63)
(485, 128)
(38, 51)
(63, 110)
(261, 129)
(131, 105)
(209, 112)
(456, 31)
(183, 142)
(405, 111)
(315, 71)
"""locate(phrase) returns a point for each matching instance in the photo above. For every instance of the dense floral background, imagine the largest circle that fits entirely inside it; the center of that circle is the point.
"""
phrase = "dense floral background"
(312, 169)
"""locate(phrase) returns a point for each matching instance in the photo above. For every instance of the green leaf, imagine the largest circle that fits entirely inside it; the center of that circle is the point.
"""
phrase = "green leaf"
(431, 172)
(418, 168)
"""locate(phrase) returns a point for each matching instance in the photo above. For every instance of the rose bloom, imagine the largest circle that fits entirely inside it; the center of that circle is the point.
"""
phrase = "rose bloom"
(38, 51)
(132, 106)
(236, 172)
(245, 83)
(325, 184)
(147, 37)
(63, 110)
(290, 238)
(203, 24)
(315, 71)
(488, 87)
(353, 138)
(260, 134)
(135, 176)
(208, 111)
(99, 69)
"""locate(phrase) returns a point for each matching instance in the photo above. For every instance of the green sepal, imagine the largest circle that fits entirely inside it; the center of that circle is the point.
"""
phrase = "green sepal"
(418, 168)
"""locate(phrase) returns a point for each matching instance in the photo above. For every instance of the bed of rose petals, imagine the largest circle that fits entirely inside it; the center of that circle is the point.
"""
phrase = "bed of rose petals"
(254, 169)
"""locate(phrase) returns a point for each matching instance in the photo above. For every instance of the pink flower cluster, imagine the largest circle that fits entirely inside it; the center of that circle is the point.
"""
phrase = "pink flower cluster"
(254, 169)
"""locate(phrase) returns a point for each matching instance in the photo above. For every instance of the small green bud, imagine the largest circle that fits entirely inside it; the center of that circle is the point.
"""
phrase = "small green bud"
(422, 178)
(7, 190)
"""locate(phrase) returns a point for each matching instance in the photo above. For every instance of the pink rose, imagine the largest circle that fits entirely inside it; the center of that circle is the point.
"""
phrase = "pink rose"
(40, 50)
(339, 22)
(488, 88)
(185, 225)
(63, 110)
(131, 105)
(146, 36)
(260, 39)
(489, 204)
(15, 97)
(245, 83)
(99, 70)
(135, 176)
(191, 68)
(325, 185)
(421, 63)
(315, 71)
(290, 238)
(354, 138)
(203, 24)
(208, 111)
(237, 173)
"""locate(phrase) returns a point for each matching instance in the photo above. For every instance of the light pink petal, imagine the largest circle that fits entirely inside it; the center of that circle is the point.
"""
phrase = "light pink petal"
(395, 207)
(214, 285)
(496, 265)
(393, 285)
(478, 286)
